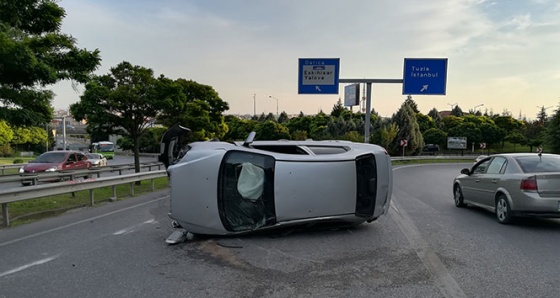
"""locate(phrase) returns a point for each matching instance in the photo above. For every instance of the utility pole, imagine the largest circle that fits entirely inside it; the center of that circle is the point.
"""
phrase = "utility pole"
(254, 105)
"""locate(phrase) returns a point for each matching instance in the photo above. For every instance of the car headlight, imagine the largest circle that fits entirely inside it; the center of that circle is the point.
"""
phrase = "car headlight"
(21, 170)
(52, 169)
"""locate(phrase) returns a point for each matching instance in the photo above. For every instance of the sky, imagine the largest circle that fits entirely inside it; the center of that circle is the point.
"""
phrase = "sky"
(503, 55)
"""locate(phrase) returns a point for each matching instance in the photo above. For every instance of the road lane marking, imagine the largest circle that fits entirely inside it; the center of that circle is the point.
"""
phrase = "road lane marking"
(445, 283)
(36, 263)
(82, 221)
(134, 227)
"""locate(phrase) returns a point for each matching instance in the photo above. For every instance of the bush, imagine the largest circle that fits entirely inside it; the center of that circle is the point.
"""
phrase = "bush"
(18, 160)
(5, 150)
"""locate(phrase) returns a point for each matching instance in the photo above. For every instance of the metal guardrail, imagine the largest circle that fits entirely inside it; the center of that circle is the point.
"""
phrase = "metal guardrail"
(17, 194)
(70, 175)
(3, 168)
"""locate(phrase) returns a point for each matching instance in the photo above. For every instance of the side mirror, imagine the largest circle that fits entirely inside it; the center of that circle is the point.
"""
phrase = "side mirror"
(465, 171)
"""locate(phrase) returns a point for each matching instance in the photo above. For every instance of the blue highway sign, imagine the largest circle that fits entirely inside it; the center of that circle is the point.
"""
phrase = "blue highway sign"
(425, 76)
(318, 76)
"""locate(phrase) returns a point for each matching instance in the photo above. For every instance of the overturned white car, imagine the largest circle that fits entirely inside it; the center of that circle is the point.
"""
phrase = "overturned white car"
(222, 188)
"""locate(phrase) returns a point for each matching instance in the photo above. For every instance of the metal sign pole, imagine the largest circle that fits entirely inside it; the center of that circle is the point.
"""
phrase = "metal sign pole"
(368, 83)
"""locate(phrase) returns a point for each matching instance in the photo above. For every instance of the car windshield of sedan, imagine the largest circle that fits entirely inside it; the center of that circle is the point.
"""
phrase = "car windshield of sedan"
(55, 157)
(92, 156)
(536, 164)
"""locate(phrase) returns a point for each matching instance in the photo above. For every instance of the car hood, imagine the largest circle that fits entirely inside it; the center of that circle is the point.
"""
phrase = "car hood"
(38, 167)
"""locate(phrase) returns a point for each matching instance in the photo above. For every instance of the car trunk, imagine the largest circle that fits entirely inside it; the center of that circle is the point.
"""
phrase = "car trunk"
(548, 185)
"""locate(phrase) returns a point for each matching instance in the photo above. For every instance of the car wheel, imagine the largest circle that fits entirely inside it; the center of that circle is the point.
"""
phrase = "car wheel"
(458, 197)
(503, 211)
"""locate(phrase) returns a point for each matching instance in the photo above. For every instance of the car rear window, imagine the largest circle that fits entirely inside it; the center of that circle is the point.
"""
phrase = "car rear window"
(538, 164)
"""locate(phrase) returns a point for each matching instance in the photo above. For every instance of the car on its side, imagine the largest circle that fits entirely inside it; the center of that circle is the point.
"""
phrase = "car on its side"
(512, 185)
(97, 159)
(54, 161)
(226, 188)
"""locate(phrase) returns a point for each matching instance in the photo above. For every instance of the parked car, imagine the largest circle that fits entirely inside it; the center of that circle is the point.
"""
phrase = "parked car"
(97, 159)
(54, 161)
(512, 185)
(225, 188)
(431, 149)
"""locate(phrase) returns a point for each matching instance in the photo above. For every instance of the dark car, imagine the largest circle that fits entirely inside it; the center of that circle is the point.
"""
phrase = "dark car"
(54, 161)
(430, 149)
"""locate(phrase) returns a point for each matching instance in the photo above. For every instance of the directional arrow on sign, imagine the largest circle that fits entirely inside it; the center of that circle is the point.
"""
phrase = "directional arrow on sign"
(317, 88)
(424, 88)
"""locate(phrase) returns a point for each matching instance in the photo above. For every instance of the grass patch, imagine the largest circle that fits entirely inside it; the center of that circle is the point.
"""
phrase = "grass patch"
(10, 160)
(32, 210)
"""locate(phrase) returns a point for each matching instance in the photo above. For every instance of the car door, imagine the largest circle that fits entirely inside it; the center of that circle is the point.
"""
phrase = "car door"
(70, 163)
(82, 162)
(471, 186)
(490, 181)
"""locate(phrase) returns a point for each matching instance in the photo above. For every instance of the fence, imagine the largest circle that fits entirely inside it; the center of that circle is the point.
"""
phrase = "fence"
(17, 194)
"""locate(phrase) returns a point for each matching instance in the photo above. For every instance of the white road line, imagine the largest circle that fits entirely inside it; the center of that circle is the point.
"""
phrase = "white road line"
(40, 262)
(134, 227)
(82, 221)
(446, 284)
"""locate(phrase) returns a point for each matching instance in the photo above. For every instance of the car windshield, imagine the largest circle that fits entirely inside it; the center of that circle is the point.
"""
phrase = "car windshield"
(536, 164)
(92, 156)
(54, 157)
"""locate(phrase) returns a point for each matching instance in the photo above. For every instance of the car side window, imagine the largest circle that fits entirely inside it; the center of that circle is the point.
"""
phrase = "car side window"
(481, 167)
(81, 157)
(497, 166)
(71, 158)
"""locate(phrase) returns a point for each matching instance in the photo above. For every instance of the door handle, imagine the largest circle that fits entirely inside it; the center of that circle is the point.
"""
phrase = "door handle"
(494, 180)
(477, 180)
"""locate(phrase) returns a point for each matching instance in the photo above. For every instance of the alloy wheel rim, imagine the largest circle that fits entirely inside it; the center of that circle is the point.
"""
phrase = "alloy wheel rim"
(457, 194)
(502, 209)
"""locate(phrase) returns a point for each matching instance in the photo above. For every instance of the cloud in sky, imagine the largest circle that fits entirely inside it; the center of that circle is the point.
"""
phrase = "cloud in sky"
(502, 53)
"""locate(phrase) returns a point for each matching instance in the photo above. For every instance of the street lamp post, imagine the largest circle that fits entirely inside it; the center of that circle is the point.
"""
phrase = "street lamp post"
(474, 109)
(270, 96)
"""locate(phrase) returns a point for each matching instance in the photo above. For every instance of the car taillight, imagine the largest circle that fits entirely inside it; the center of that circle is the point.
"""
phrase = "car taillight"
(529, 184)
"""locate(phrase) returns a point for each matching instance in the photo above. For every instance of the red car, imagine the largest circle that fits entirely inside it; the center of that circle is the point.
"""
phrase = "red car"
(53, 161)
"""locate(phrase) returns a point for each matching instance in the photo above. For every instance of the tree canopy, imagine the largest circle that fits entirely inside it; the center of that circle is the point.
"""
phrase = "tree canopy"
(35, 53)
(124, 101)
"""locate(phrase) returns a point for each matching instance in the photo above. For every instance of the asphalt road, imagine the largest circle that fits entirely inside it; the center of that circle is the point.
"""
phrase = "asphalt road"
(424, 247)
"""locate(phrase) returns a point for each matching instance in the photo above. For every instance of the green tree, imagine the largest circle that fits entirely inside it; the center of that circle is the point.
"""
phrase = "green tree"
(283, 118)
(126, 98)
(552, 136)
(456, 111)
(405, 119)
(35, 53)
(337, 110)
(534, 134)
(6, 133)
(238, 129)
(435, 136)
(425, 122)
(270, 130)
(199, 107)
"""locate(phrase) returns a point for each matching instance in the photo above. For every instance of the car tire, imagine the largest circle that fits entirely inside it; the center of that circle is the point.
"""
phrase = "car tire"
(458, 197)
(503, 210)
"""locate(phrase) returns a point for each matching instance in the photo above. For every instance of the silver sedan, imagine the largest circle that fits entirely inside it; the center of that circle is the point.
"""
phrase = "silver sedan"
(512, 185)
